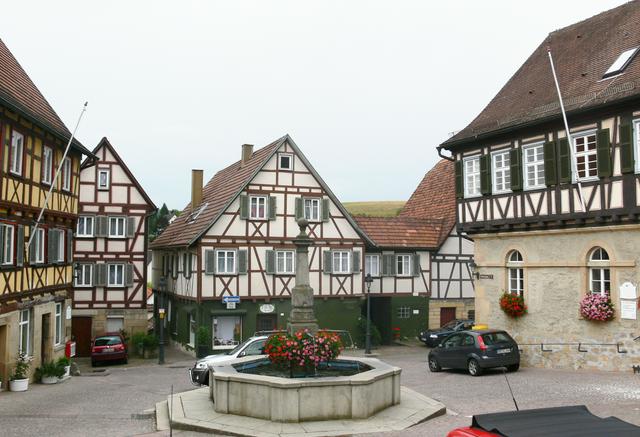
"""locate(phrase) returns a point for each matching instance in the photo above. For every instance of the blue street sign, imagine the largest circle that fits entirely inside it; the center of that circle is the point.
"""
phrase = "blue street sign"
(230, 299)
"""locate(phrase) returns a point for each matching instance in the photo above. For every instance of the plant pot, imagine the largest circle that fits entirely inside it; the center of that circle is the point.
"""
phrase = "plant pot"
(67, 371)
(19, 385)
(49, 380)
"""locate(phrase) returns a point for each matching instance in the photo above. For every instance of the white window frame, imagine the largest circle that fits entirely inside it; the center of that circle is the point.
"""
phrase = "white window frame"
(404, 312)
(515, 272)
(285, 254)
(66, 174)
(102, 171)
(21, 340)
(340, 256)
(17, 153)
(369, 265)
(80, 278)
(39, 245)
(282, 155)
(602, 266)
(504, 171)
(636, 146)
(57, 330)
(475, 174)
(124, 227)
(116, 266)
(404, 260)
(594, 152)
(8, 243)
(225, 253)
(538, 167)
(316, 205)
(258, 200)
(84, 219)
(47, 165)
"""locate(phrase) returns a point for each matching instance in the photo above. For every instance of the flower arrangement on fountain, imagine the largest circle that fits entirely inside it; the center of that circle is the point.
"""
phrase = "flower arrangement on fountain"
(303, 350)
(597, 307)
(513, 305)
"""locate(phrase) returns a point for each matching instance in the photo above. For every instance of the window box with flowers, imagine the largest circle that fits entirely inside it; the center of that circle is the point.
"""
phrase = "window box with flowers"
(513, 305)
(597, 307)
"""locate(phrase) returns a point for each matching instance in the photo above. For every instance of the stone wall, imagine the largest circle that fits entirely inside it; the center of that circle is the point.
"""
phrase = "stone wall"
(462, 306)
(556, 277)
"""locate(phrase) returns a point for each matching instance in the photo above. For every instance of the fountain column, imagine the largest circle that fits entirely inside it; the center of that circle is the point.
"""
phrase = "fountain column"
(302, 315)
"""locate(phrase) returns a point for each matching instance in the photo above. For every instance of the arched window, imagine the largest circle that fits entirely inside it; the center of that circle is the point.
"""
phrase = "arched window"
(599, 271)
(515, 273)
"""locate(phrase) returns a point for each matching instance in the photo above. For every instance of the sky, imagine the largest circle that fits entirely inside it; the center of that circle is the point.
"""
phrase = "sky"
(367, 89)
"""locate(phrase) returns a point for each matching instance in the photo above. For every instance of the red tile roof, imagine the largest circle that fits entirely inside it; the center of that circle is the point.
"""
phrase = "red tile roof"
(582, 53)
(406, 232)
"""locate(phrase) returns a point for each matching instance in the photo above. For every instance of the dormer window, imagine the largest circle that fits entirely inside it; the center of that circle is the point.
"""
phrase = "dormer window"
(285, 161)
(103, 179)
(621, 63)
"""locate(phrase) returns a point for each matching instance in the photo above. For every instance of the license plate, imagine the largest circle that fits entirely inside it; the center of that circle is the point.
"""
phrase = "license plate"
(111, 350)
(504, 351)
(433, 336)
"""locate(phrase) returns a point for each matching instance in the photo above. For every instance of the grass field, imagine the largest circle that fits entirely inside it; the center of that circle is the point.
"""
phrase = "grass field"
(389, 208)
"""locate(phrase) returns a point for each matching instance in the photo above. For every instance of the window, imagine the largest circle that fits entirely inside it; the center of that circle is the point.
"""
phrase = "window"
(312, 209)
(24, 331)
(403, 265)
(258, 207)
(621, 63)
(103, 179)
(116, 275)
(501, 172)
(58, 322)
(285, 262)
(285, 161)
(599, 271)
(586, 155)
(59, 249)
(372, 265)
(636, 133)
(516, 273)
(17, 145)
(66, 174)
(39, 246)
(84, 275)
(85, 226)
(116, 227)
(115, 324)
(56, 245)
(226, 262)
(7, 244)
(47, 164)
(227, 331)
(472, 176)
(341, 262)
(404, 312)
(533, 157)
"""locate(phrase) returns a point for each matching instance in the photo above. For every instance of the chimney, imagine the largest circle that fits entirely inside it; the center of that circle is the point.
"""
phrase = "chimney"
(247, 152)
(196, 188)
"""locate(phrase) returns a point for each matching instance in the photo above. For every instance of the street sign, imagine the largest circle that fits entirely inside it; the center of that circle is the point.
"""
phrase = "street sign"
(231, 305)
(228, 299)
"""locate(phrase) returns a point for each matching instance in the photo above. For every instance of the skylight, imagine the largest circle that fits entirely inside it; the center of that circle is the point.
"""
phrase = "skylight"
(621, 63)
(194, 215)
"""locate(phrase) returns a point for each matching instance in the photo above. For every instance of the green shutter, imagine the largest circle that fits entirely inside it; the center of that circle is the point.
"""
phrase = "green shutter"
(627, 164)
(131, 227)
(272, 208)
(550, 175)
(244, 207)
(603, 148)
(299, 209)
(242, 262)
(129, 275)
(33, 234)
(355, 264)
(485, 174)
(515, 161)
(1, 244)
(417, 269)
(459, 180)
(327, 266)
(325, 210)
(100, 277)
(270, 262)
(209, 262)
(69, 234)
(388, 264)
(20, 245)
(565, 160)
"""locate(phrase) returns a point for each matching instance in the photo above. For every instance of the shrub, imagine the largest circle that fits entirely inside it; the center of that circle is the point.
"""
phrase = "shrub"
(203, 337)
(22, 367)
(150, 342)
(49, 369)
(302, 350)
(513, 305)
(63, 362)
(376, 337)
(597, 307)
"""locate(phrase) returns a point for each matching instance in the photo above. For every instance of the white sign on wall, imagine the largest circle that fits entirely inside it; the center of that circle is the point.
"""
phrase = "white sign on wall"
(628, 302)
(68, 313)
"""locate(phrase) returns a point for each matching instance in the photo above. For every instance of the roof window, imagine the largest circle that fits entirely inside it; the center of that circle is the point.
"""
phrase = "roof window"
(194, 215)
(621, 63)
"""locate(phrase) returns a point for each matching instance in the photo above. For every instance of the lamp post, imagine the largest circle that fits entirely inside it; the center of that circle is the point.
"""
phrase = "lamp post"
(160, 304)
(367, 348)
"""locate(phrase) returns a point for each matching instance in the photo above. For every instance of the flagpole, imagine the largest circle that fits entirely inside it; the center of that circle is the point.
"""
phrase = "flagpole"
(566, 127)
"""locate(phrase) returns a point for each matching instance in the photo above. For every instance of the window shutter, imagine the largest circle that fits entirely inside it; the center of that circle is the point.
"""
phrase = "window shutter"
(459, 180)
(327, 265)
(33, 246)
(69, 245)
(565, 160)
(603, 150)
(129, 275)
(185, 272)
(209, 262)
(550, 176)
(299, 209)
(242, 262)
(101, 226)
(325, 210)
(20, 245)
(355, 262)
(131, 226)
(388, 265)
(244, 207)
(627, 164)
(1, 244)
(515, 160)
(51, 245)
(416, 269)
(272, 208)
(100, 277)
(485, 174)
(270, 262)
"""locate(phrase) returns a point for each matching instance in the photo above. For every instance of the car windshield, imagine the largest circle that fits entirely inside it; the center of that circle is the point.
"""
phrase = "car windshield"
(240, 346)
(452, 324)
(107, 341)
(496, 337)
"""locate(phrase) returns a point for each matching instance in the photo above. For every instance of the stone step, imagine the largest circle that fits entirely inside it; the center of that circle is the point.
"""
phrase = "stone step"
(162, 416)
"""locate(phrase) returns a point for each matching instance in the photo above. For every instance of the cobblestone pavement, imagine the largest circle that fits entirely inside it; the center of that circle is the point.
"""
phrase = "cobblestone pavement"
(104, 405)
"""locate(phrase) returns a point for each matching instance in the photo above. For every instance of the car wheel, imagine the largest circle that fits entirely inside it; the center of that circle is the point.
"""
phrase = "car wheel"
(513, 367)
(474, 368)
(434, 366)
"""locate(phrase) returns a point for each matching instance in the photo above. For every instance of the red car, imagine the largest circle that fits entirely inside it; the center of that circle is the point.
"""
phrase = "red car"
(109, 347)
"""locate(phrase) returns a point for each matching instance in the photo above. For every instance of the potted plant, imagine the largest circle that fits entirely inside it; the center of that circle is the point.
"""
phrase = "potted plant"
(65, 363)
(150, 344)
(20, 379)
(137, 341)
(513, 305)
(50, 372)
(204, 341)
(597, 307)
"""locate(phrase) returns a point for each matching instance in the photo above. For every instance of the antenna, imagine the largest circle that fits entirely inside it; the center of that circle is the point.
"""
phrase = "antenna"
(504, 372)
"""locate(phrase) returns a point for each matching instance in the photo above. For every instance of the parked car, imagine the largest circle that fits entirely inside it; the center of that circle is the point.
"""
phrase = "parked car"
(199, 373)
(475, 351)
(109, 347)
(433, 337)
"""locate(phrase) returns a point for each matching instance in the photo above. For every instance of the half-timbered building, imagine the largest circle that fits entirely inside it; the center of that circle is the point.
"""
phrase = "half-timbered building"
(110, 289)
(556, 216)
(35, 281)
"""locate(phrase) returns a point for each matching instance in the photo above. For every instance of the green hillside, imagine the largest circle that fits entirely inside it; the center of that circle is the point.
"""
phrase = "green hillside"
(387, 208)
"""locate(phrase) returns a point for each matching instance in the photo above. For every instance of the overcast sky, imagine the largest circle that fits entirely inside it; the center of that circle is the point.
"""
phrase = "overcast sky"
(367, 89)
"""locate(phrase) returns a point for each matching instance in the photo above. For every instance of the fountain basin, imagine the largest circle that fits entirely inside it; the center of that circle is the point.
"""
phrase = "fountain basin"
(278, 399)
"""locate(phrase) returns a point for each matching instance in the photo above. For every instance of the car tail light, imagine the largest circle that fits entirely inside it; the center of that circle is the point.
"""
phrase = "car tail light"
(483, 347)
(118, 347)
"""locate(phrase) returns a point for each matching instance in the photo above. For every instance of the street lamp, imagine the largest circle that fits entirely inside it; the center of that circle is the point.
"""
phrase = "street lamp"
(474, 269)
(368, 280)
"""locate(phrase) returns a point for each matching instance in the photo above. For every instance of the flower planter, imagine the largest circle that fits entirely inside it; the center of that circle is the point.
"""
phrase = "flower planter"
(49, 380)
(19, 385)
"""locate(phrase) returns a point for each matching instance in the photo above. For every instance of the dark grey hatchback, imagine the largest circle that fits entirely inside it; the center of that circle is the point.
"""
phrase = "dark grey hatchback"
(475, 351)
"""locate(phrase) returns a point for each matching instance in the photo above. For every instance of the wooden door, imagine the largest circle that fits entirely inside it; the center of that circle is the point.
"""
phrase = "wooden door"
(266, 322)
(81, 332)
(447, 314)
(45, 338)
